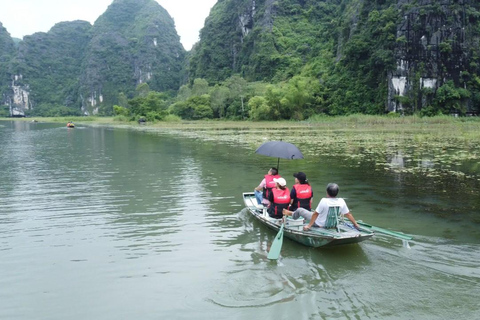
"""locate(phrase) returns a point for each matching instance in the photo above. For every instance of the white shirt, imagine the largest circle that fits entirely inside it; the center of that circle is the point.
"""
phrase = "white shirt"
(325, 204)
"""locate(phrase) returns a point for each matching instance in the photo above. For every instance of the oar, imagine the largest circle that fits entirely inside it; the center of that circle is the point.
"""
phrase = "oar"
(276, 245)
(385, 231)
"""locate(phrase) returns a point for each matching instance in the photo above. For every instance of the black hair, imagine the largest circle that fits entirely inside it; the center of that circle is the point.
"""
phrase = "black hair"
(332, 189)
(274, 171)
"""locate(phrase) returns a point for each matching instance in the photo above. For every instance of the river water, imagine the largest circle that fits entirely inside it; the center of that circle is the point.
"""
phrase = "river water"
(104, 223)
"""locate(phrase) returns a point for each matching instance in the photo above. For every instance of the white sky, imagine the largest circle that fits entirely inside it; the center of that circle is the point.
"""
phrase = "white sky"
(25, 17)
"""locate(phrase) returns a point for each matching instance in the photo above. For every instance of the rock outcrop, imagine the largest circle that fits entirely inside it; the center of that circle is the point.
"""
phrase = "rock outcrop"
(436, 43)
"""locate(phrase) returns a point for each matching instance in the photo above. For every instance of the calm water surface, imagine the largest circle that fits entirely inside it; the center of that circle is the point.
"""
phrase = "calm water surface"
(99, 223)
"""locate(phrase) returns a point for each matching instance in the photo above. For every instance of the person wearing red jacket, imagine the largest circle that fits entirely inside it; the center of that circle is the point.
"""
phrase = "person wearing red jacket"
(279, 198)
(265, 187)
(301, 194)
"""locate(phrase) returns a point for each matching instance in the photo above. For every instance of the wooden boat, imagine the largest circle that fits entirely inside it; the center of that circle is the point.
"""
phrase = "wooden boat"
(315, 237)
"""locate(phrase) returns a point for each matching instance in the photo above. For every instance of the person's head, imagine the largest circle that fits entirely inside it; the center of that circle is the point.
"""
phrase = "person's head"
(300, 177)
(273, 171)
(280, 183)
(332, 190)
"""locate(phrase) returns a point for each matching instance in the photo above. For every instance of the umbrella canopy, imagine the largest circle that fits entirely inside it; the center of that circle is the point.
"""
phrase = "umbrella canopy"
(279, 149)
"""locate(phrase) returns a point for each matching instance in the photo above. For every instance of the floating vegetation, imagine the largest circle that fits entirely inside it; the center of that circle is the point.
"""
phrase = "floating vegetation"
(434, 147)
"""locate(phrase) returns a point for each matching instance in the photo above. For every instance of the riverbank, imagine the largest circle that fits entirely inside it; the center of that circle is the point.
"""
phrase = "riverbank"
(352, 122)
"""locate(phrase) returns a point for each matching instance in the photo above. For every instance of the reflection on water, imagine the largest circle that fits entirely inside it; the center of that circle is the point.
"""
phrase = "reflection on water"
(111, 224)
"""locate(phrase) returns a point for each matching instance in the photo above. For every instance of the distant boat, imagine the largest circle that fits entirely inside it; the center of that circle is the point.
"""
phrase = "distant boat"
(70, 125)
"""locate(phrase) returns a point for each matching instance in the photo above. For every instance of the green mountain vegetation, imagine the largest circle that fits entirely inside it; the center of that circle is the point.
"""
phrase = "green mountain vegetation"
(7, 51)
(133, 42)
(77, 68)
(256, 59)
(343, 57)
(50, 64)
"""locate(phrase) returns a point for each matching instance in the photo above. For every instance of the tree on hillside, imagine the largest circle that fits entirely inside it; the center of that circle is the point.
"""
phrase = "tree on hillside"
(238, 90)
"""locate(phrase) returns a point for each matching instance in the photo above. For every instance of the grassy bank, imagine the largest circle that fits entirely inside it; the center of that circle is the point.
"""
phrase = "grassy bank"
(350, 122)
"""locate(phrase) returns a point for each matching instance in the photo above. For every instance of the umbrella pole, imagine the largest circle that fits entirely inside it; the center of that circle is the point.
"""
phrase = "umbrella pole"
(278, 164)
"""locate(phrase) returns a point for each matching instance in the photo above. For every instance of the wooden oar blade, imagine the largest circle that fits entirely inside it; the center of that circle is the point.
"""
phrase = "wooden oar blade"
(276, 245)
(395, 234)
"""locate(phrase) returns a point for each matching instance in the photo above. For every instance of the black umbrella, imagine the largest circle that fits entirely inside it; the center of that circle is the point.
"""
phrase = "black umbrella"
(279, 149)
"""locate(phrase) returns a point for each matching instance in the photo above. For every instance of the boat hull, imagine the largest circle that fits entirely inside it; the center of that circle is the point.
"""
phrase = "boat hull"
(316, 237)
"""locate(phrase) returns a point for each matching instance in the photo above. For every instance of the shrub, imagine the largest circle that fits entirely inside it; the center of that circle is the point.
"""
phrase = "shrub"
(120, 111)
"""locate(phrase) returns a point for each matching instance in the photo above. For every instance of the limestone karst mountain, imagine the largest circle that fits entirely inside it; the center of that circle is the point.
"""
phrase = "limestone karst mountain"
(85, 68)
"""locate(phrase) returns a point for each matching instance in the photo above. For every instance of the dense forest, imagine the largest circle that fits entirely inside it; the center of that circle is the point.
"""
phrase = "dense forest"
(256, 59)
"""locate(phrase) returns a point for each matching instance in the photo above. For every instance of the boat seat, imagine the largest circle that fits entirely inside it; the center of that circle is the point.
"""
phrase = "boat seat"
(332, 218)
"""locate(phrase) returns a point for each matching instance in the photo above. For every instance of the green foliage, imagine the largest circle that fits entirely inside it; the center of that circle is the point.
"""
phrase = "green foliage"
(7, 51)
(219, 96)
(184, 93)
(122, 100)
(142, 90)
(259, 108)
(194, 108)
(153, 116)
(151, 102)
(199, 87)
(181, 109)
(451, 99)
(4, 111)
(430, 111)
(120, 111)
(202, 111)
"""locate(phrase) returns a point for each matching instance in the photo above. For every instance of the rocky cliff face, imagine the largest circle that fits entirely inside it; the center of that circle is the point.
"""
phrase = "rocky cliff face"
(399, 52)
(438, 41)
(232, 33)
(369, 56)
(47, 66)
(7, 51)
(133, 42)
(86, 67)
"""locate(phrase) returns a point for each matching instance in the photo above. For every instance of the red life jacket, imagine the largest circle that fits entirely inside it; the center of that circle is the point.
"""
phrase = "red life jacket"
(270, 184)
(281, 200)
(304, 197)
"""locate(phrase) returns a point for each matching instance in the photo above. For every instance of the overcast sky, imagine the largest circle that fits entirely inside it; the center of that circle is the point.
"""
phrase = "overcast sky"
(25, 17)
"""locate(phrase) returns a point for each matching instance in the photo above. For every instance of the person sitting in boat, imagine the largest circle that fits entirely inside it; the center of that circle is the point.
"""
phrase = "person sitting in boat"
(265, 187)
(319, 216)
(301, 194)
(279, 198)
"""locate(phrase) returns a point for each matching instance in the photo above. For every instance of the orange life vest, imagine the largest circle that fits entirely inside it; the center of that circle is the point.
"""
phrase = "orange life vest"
(304, 197)
(281, 200)
(270, 184)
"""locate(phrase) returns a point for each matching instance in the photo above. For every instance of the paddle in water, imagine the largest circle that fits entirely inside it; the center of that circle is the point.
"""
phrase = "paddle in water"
(276, 245)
